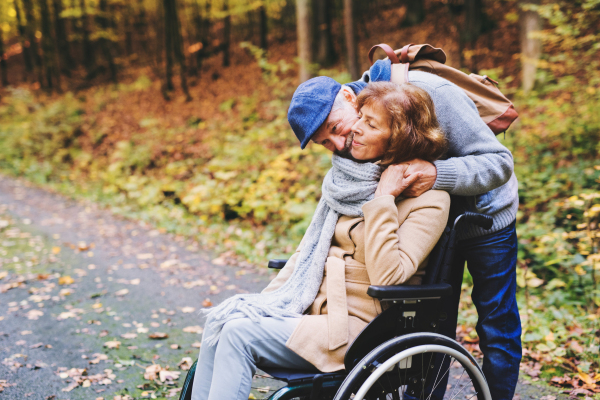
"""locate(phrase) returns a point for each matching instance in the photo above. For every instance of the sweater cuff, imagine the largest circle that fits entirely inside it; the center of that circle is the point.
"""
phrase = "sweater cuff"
(379, 203)
(446, 175)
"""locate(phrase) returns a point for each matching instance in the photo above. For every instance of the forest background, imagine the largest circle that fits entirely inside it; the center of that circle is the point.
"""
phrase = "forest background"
(174, 112)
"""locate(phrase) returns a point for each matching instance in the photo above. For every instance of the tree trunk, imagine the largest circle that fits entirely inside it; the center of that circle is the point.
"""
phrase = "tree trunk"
(531, 48)
(168, 46)
(3, 71)
(60, 31)
(141, 27)
(304, 38)
(178, 48)
(105, 44)
(128, 28)
(88, 48)
(351, 44)
(325, 51)
(31, 29)
(472, 28)
(262, 12)
(25, 45)
(226, 34)
(415, 12)
(50, 66)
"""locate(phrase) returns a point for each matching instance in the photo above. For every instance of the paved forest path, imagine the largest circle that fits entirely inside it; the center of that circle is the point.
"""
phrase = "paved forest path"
(87, 298)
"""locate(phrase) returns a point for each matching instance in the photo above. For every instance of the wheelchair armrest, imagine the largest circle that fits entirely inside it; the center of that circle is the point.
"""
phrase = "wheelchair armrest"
(409, 292)
(277, 264)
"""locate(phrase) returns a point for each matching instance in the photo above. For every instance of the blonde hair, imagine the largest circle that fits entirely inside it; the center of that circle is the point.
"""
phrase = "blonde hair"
(415, 131)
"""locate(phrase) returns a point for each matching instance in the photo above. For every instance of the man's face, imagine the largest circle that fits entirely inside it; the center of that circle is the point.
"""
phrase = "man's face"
(335, 133)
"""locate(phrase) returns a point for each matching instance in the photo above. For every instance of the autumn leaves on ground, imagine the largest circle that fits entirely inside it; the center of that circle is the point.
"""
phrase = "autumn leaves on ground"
(98, 307)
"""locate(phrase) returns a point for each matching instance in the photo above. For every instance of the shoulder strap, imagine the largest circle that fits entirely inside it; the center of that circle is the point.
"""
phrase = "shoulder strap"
(388, 50)
(404, 54)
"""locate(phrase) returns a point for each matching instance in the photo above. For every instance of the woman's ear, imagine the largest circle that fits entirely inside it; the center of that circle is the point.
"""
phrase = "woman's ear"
(350, 97)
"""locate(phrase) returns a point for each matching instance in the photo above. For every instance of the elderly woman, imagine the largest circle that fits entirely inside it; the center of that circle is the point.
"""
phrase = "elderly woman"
(363, 233)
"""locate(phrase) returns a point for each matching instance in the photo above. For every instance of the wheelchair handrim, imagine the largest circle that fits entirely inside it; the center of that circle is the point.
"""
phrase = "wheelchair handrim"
(465, 361)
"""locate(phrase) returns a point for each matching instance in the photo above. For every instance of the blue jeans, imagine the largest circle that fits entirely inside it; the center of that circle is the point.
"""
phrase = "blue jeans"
(492, 262)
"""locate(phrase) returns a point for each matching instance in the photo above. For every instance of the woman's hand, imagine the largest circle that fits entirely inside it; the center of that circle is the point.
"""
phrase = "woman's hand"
(394, 182)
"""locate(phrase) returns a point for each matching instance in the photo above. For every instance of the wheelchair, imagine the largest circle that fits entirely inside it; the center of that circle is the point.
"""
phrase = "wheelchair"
(399, 355)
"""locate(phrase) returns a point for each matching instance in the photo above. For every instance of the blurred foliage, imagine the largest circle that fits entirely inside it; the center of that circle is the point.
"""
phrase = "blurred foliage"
(246, 188)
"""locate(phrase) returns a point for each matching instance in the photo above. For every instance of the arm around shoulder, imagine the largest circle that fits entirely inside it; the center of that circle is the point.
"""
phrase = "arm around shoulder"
(477, 162)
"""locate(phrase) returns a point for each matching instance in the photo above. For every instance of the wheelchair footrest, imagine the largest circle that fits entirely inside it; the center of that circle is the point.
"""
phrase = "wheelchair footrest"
(410, 292)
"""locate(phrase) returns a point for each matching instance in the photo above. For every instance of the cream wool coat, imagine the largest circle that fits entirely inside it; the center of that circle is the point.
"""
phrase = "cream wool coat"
(389, 246)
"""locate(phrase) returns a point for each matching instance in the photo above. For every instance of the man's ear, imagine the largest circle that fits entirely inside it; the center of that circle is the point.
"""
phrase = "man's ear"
(349, 96)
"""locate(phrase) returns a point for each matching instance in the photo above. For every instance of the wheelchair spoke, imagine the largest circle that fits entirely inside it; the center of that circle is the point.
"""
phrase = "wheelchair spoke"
(435, 384)
(475, 394)
(461, 390)
(457, 383)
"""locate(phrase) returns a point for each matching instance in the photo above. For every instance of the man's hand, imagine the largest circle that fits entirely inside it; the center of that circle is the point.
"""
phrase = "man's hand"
(427, 175)
(394, 182)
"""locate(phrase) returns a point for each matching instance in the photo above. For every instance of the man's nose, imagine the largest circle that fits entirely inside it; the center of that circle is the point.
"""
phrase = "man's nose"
(339, 142)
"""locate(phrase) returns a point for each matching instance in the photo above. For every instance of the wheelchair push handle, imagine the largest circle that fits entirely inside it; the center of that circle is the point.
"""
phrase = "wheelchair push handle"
(481, 220)
(277, 263)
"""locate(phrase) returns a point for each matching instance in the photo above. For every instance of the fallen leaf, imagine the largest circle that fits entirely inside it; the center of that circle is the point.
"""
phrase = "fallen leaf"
(158, 336)
(65, 292)
(142, 329)
(34, 314)
(193, 329)
(207, 303)
(112, 344)
(145, 256)
(576, 347)
(135, 281)
(185, 363)
(72, 386)
(86, 383)
(168, 264)
(151, 372)
(3, 274)
(196, 345)
(26, 333)
(122, 292)
(175, 346)
(37, 345)
(55, 250)
(65, 280)
(129, 335)
(168, 375)
(187, 310)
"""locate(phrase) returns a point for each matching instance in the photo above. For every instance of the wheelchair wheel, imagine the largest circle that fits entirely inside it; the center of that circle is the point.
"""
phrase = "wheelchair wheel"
(413, 367)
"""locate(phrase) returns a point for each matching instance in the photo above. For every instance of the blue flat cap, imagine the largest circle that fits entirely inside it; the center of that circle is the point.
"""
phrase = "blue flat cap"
(310, 106)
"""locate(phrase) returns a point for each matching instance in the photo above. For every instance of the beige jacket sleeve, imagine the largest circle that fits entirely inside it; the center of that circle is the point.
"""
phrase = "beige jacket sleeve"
(284, 274)
(399, 238)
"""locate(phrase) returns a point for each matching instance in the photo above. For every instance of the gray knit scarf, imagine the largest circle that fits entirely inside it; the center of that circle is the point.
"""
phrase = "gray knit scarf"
(346, 187)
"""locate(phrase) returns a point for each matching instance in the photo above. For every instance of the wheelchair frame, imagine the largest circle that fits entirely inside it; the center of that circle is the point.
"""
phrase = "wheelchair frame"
(411, 319)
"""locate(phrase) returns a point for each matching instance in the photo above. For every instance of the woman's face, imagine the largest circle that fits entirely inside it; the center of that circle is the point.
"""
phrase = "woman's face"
(371, 132)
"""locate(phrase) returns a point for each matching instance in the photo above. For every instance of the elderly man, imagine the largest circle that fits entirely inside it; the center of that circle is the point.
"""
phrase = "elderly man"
(478, 174)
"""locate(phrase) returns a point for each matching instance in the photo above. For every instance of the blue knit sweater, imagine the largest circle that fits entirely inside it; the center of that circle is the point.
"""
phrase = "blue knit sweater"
(477, 170)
